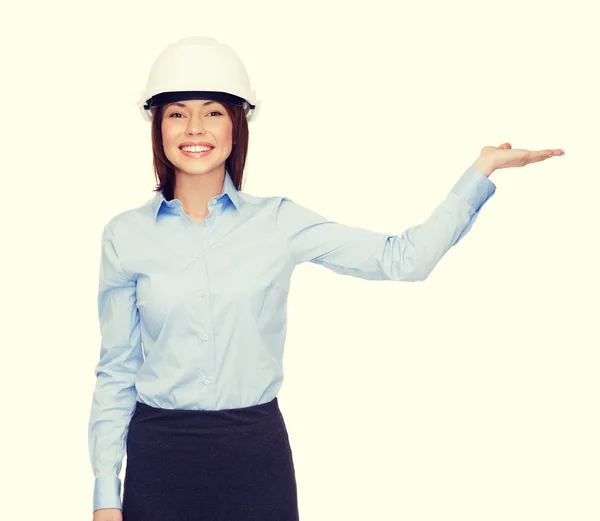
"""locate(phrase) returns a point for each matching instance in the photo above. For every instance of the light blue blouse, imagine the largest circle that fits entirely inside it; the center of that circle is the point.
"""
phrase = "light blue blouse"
(193, 316)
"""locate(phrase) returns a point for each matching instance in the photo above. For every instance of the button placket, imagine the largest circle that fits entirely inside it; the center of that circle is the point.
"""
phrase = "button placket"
(207, 362)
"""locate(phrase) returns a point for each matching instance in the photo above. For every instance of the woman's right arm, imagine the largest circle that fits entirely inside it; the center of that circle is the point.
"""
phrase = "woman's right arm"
(115, 394)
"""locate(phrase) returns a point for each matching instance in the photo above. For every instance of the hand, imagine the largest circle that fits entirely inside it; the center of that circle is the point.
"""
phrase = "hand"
(108, 514)
(504, 156)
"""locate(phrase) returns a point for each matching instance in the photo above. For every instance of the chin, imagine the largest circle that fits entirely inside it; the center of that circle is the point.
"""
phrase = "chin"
(197, 169)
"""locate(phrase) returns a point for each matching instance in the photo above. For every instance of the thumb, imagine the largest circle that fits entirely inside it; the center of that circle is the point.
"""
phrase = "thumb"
(505, 146)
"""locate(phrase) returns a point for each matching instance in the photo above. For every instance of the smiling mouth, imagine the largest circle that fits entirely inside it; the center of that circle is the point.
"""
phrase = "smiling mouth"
(196, 154)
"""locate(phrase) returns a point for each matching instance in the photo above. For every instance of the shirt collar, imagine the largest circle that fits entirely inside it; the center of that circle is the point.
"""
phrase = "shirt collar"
(229, 190)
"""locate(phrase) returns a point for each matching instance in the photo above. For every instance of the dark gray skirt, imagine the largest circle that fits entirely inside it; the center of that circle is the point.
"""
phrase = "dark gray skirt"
(227, 465)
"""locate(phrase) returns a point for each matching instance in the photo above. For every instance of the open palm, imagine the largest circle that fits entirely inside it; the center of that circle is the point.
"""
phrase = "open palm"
(505, 156)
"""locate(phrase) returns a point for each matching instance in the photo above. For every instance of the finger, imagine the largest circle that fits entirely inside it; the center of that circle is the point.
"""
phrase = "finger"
(540, 156)
(544, 154)
(553, 152)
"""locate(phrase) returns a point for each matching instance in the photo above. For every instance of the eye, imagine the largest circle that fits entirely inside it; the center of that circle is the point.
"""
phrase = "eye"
(213, 112)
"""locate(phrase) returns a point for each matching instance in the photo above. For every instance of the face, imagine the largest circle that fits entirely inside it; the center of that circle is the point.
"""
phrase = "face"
(197, 121)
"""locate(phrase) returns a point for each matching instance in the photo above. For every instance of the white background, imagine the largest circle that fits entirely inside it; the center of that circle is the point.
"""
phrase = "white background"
(470, 396)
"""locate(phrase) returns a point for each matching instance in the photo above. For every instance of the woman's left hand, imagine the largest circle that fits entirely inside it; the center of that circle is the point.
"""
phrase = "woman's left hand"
(504, 156)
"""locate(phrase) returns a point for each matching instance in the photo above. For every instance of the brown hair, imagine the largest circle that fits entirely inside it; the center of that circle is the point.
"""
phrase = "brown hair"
(164, 171)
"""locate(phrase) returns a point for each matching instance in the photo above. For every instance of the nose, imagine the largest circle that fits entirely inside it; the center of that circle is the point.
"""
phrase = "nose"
(195, 125)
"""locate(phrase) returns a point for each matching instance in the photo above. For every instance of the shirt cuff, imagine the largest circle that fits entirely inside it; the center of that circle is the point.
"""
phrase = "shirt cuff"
(107, 492)
(474, 187)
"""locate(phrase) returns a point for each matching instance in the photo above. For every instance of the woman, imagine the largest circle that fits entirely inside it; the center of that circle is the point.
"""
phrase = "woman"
(192, 303)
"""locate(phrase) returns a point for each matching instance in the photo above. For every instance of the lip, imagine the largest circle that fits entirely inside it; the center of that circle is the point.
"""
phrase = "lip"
(197, 143)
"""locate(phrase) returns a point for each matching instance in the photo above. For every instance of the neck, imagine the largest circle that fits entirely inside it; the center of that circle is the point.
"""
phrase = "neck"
(195, 190)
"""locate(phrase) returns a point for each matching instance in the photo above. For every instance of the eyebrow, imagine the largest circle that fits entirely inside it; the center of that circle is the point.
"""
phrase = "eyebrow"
(184, 105)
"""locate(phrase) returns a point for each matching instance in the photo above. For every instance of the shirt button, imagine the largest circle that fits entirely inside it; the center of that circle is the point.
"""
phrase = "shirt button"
(205, 337)
(202, 293)
(207, 381)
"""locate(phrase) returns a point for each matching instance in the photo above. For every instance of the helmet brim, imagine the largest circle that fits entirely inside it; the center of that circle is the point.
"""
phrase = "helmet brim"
(165, 98)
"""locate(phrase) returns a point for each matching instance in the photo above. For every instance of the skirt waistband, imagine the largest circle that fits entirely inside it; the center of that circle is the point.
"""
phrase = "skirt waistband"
(211, 419)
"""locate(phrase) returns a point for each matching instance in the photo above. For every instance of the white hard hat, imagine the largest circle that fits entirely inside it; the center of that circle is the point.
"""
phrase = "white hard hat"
(198, 67)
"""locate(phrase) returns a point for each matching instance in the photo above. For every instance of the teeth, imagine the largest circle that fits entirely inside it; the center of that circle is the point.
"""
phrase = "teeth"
(196, 149)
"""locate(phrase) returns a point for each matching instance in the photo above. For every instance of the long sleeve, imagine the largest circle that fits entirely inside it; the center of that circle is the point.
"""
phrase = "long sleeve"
(121, 356)
(365, 254)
